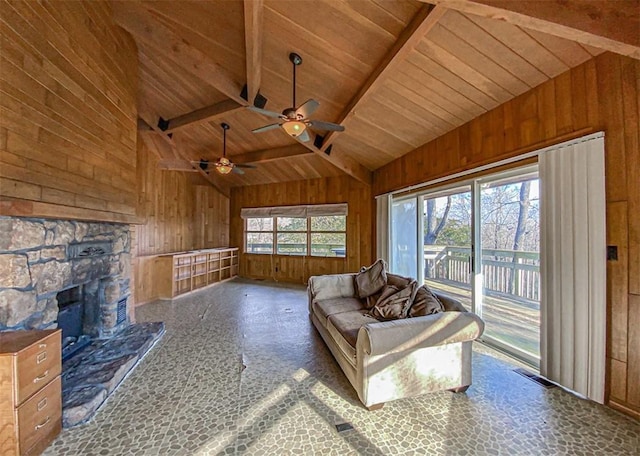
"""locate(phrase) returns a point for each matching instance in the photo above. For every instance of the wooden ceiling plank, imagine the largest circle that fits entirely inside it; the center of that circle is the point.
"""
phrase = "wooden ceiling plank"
(570, 52)
(254, 36)
(486, 43)
(608, 25)
(520, 42)
(143, 27)
(466, 71)
(422, 22)
(483, 62)
(201, 115)
(439, 73)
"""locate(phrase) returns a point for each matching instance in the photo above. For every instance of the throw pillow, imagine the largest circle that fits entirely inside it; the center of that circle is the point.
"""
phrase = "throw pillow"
(398, 281)
(425, 303)
(371, 280)
(394, 303)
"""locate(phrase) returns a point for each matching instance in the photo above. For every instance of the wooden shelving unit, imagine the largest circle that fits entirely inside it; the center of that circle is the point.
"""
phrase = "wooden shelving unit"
(183, 272)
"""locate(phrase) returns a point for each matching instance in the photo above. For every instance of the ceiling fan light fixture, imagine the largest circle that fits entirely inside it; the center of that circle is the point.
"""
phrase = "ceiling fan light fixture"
(294, 127)
(224, 166)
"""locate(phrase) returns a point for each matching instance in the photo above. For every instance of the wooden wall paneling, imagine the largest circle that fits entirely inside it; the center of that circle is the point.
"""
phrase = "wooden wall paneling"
(68, 113)
(631, 112)
(617, 380)
(179, 215)
(617, 280)
(633, 366)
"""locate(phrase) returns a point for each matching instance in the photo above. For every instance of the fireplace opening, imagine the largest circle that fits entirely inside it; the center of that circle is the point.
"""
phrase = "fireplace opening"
(71, 315)
(70, 312)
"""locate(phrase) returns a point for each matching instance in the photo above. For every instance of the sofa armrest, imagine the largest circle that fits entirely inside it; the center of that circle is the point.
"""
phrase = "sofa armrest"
(450, 304)
(331, 286)
(419, 332)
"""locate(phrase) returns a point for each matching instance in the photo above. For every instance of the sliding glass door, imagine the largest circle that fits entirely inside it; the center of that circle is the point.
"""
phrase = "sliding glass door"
(509, 235)
(447, 235)
(479, 243)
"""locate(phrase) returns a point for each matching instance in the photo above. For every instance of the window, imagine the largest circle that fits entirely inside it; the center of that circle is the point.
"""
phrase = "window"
(292, 235)
(319, 230)
(329, 235)
(259, 235)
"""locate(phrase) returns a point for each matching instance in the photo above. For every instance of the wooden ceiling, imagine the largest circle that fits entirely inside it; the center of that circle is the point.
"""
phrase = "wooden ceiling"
(396, 74)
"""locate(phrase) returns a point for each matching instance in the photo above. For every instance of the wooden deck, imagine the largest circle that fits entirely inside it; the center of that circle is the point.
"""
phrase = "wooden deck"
(512, 322)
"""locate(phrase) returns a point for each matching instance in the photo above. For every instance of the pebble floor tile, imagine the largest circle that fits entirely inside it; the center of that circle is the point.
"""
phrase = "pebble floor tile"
(241, 370)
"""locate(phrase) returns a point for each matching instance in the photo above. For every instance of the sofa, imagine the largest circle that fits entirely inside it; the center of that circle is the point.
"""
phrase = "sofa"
(389, 357)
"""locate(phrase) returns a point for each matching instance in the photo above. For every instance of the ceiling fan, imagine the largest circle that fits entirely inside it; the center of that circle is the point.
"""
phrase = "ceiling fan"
(224, 165)
(296, 120)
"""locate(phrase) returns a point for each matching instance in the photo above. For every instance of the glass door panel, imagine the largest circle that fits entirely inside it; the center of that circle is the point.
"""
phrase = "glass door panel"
(404, 237)
(510, 264)
(447, 243)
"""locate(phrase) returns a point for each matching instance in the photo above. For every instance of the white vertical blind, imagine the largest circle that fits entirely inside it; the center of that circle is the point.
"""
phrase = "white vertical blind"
(383, 222)
(573, 269)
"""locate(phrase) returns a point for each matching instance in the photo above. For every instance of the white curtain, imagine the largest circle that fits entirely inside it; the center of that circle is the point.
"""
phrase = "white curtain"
(383, 222)
(573, 247)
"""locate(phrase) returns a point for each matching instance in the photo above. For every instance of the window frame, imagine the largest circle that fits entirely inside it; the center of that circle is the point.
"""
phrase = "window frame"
(308, 232)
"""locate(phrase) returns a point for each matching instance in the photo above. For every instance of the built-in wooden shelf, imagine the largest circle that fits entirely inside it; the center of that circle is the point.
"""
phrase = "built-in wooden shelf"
(182, 272)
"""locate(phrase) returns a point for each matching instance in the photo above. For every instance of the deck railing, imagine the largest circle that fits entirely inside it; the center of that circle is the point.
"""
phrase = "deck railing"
(509, 272)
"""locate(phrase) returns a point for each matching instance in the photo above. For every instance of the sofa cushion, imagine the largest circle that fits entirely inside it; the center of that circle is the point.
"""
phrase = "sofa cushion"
(328, 307)
(344, 328)
(394, 303)
(371, 280)
(425, 303)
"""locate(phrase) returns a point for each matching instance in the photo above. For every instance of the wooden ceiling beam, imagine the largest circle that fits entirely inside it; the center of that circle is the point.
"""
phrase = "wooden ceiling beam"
(201, 115)
(253, 36)
(267, 155)
(140, 23)
(612, 26)
(176, 164)
(419, 26)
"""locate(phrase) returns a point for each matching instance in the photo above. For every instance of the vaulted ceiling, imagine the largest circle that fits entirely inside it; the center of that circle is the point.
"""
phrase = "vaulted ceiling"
(395, 73)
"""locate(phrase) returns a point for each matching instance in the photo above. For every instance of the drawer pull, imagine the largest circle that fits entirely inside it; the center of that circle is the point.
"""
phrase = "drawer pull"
(41, 377)
(41, 357)
(42, 404)
(42, 345)
(43, 424)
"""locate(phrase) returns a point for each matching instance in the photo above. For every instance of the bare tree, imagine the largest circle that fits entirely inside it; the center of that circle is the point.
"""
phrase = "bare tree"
(523, 214)
(433, 226)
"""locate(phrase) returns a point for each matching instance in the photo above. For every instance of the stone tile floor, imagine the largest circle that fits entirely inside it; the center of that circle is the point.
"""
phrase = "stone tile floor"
(192, 396)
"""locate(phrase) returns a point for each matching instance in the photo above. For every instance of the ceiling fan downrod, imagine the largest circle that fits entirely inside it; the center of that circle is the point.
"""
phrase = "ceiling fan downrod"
(296, 60)
(225, 127)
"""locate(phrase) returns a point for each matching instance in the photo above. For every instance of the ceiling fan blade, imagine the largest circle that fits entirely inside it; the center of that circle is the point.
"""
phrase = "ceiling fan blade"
(304, 136)
(266, 128)
(237, 170)
(307, 108)
(264, 112)
(245, 165)
(327, 126)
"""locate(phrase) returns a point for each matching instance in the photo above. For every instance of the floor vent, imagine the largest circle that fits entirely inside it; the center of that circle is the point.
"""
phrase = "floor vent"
(535, 378)
(342, 427)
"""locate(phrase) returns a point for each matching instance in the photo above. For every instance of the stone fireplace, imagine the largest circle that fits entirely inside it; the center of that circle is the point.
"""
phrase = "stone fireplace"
(76, 276)
(41, 258)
